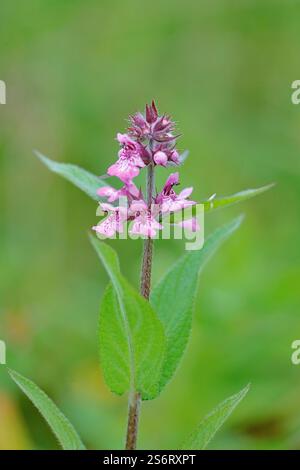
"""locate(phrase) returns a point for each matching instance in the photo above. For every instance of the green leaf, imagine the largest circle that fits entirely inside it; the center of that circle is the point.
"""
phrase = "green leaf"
(219, 202)
(81, 178)
(131, 336)
(201, 437)
(61, 427)
(173, 297)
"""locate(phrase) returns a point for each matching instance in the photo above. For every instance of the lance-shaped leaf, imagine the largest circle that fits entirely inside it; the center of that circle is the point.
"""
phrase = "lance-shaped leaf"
(131, 336)
(173, 297)
(61, 427)
(204, 433)
(214, 203)
(81, 178)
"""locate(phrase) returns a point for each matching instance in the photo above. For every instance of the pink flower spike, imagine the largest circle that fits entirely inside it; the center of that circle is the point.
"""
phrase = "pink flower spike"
(160, 158)
(191, 224)
(145, 225)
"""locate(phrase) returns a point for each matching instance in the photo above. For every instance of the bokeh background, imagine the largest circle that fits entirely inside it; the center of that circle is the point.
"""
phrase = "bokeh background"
(74, 70)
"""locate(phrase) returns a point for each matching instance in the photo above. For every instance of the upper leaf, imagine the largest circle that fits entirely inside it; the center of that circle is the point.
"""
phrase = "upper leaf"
(81, 178)
(219, 202)
(201, 437)
(61, 427)
(131, 336)
(173, 297)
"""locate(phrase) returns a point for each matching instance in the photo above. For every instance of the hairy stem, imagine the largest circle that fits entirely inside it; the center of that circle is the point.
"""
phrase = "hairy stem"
(135, 397)
(133, 421)
(148, 243)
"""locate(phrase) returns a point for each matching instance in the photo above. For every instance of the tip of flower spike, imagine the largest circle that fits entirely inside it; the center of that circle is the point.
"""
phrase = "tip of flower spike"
(151, 113)
(154, 107)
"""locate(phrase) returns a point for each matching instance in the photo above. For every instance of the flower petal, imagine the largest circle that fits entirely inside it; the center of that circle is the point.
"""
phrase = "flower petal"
(124, 170)
(185, 193)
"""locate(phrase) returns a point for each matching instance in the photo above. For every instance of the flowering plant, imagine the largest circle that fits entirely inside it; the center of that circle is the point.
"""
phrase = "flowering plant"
(150, 142)
(143, 335)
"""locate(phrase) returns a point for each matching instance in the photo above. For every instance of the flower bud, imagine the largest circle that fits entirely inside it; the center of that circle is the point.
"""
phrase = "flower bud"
(160, 158)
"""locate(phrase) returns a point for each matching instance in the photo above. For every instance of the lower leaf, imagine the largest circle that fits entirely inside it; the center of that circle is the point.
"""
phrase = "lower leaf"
(201, 437)
(61, 427)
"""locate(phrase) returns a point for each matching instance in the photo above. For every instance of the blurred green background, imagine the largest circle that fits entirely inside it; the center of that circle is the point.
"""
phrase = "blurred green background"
(74, 70)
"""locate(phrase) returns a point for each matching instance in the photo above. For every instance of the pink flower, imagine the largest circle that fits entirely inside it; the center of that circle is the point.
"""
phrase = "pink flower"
(113, 222)
(143, 219)
(130, 159)
(145, 226)
(169, 201)
(144, 222)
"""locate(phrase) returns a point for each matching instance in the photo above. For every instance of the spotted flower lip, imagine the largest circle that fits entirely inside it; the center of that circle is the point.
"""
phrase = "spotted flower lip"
(169, 201)
(114, 222)
(130, 160)
(145, 225)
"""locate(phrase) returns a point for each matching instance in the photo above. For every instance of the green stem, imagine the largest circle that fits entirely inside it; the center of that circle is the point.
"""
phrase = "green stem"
(133, 420)
(148, 243)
